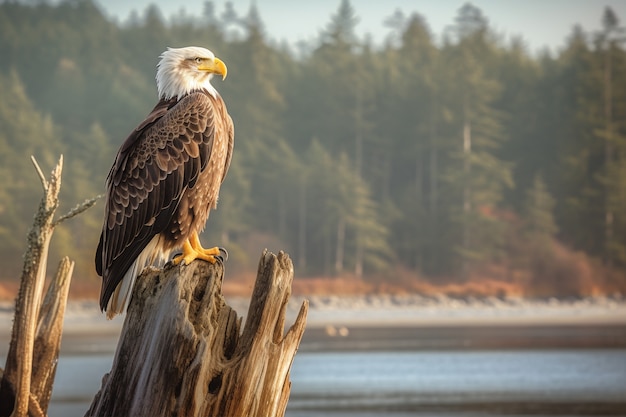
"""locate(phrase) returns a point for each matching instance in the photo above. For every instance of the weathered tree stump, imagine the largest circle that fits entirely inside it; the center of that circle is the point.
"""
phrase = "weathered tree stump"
(26, 381)
(182, 352)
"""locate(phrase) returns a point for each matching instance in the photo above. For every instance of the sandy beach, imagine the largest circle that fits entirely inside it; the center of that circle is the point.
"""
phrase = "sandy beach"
(397, 322)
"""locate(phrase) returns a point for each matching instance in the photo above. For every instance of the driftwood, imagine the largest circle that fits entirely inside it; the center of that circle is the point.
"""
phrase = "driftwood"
(26, 382)
(182, 352)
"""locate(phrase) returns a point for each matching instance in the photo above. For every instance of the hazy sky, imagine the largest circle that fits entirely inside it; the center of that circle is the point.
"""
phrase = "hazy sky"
(540, 22)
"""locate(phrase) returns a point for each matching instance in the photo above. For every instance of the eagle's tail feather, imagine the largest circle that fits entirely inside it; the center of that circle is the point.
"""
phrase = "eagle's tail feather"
(152, 255)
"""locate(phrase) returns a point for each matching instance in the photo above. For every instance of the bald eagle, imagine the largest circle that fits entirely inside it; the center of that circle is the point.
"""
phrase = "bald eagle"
(166, 176)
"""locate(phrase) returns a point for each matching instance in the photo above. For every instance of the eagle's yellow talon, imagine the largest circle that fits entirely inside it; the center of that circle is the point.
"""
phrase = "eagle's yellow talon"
(194, 240)
(192, 250)
(188, 255)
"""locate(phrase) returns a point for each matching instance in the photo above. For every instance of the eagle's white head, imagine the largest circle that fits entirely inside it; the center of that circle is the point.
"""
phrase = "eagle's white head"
(183, 70)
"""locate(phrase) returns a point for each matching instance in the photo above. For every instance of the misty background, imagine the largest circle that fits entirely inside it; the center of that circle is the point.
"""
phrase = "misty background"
(448, 178)
(406, 157)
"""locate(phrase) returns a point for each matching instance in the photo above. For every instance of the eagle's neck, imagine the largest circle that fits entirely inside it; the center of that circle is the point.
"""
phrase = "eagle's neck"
(175, 83)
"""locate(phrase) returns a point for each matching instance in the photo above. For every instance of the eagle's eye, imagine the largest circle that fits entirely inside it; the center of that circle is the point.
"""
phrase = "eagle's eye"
(198, 60)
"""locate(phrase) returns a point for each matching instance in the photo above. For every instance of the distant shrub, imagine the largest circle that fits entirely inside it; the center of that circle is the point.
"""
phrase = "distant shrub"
(557, 271)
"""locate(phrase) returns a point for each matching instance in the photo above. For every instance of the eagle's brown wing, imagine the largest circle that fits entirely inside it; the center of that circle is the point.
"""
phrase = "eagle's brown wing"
(231, 143)
(157, 163)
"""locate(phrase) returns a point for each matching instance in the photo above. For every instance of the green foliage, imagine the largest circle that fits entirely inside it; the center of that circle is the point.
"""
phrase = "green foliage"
(352, 156)
(539, 212)
(24, 131)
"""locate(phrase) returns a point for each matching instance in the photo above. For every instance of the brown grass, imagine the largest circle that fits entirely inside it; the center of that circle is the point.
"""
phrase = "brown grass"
(344, 285)
(558, 270)
(554, 271)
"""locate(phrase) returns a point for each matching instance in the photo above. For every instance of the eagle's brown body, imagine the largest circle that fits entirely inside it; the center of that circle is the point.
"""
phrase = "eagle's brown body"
(165, 180)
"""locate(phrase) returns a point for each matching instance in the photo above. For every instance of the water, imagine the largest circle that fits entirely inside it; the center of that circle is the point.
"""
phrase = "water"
(418, 383)
(413, 380)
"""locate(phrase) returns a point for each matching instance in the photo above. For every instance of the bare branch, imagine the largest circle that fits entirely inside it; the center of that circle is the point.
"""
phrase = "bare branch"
(79, 208)
(18, 369)
(42, 177)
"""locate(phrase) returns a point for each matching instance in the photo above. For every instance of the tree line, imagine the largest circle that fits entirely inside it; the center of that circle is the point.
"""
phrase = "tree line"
(441, 155)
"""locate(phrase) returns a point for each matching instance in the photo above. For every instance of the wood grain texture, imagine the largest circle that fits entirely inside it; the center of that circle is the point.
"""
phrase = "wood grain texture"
(49, 332)
(182, 351)
(28, 376)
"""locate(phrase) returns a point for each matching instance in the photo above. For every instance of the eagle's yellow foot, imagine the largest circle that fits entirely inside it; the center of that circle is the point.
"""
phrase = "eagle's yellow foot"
(196, 245)
(192, 250)
(190, 254)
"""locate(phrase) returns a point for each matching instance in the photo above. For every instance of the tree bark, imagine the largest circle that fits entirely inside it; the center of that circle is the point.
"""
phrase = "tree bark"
(26, 382)
(18, 368)
(182, 353)
(49, 331)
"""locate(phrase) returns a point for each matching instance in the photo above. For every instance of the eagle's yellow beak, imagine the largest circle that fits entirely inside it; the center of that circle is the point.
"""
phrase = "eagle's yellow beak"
(216, 66)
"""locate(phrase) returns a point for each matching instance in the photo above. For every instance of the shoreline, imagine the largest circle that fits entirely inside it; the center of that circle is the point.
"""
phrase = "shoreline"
(405, 338)
(466, 338)
(405, 322)
(396, 323)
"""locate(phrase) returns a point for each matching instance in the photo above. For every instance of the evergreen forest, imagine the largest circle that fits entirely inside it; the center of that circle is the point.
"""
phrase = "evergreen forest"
(434, 157)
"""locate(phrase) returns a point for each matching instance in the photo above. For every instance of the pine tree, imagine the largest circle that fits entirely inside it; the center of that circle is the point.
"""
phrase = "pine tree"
(343, 220)
(417, 149)
(608, 42)
(476, 177)
(254, 91)
(581, 192)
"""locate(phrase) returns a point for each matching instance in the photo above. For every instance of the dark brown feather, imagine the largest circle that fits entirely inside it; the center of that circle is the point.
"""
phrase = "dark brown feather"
(161, 159)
